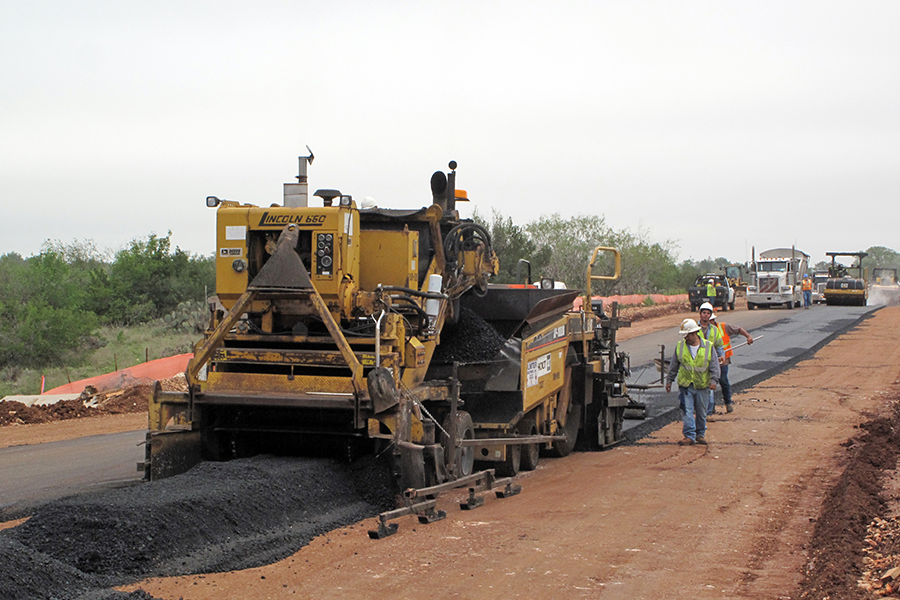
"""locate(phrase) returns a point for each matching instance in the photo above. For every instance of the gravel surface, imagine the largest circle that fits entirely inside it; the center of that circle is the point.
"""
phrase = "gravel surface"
(216, 517)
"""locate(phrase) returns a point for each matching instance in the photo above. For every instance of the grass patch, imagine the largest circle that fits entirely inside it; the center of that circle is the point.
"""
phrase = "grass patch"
(111, 348)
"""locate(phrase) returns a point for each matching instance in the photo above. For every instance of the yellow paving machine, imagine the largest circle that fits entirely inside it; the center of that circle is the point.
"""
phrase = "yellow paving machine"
(339, 329)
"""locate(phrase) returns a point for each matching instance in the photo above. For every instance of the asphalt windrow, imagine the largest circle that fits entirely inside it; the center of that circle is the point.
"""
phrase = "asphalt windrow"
(216, 517)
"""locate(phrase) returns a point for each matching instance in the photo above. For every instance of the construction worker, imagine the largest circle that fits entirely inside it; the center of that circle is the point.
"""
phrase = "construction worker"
(695, 367)
(711, 334)
(711, 289)
(726, 331)
(807, 291)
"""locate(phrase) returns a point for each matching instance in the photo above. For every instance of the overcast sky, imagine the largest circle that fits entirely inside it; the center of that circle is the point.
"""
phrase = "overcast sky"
(716, 125)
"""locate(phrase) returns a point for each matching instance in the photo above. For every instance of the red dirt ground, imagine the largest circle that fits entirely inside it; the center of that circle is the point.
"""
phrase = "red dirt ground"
(795, 497)
(739, 518)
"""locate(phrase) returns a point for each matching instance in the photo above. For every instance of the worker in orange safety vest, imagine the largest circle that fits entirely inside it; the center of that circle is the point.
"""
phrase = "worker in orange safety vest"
(807, 291)
(726, 330)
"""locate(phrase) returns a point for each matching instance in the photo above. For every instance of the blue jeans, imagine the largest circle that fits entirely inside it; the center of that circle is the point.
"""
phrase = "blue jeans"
(726, 390)
(694, 402)
(807, 298)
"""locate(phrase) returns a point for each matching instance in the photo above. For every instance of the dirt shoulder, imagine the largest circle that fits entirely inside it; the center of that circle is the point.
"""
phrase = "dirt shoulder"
(100, 413)
(650, 520)
(650, 319)
(41, 433)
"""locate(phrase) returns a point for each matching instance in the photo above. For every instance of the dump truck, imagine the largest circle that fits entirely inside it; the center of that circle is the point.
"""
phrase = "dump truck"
(841, 288)
(344, 330)
(776, 278)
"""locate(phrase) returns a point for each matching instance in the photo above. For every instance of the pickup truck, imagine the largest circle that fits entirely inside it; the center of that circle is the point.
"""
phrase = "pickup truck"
(723, 299)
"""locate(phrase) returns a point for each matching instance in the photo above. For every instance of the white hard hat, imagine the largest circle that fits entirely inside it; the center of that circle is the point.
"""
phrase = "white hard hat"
(368, 202)
(689, 326)
(712, 317)
(710, 281)
(706, 306)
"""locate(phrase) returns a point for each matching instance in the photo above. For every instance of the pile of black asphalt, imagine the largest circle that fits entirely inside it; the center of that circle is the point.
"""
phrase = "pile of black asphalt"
(471, 340)
(216, 517)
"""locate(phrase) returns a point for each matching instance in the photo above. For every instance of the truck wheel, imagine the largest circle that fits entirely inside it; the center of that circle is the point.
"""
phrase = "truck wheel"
(510, 466)
(693, 308)
(790, 305)
(573, 424)
(530, 453)
(751, 306)
(731, 306)
(465, 430)
(611, 427)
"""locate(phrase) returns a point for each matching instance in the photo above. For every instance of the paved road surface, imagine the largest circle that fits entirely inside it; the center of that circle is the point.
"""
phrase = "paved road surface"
(52, 470)
(43, 472)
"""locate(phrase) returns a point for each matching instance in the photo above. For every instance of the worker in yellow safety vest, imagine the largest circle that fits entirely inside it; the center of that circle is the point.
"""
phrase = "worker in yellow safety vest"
(711, 289)
(695, 365)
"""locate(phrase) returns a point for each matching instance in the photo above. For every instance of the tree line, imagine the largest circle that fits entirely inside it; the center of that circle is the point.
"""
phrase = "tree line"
(560, 248)
(54, 302)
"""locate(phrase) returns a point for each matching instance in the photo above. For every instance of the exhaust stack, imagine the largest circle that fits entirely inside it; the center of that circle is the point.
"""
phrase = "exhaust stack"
(296, 195)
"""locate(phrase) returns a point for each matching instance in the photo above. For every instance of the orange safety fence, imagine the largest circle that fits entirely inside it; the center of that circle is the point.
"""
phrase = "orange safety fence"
(162, 368)
(634, 299)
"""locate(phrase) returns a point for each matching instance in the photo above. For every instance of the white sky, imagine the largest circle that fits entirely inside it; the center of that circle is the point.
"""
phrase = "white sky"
(718, 125)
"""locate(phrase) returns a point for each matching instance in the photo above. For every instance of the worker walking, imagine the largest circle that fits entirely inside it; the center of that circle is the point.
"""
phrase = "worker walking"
(711, 334)
(807, 291)
(711, 290)
(696, 369)
(726, 331)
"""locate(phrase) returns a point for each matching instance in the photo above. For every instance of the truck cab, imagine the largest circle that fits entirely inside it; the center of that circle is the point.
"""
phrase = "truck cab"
(818, 291)
(776, 278)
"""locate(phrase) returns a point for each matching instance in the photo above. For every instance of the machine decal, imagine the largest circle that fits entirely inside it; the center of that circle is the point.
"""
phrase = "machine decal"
(546, 338)
(236, 232)
(538, 367)
(270, 220)
(229, 252)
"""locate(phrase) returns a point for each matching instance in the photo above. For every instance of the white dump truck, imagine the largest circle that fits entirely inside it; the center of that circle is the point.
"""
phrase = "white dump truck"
(776, 278)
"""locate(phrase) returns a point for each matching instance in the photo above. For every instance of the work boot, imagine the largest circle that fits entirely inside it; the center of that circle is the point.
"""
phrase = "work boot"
(686, 442)
(701, 440)
(729, 407)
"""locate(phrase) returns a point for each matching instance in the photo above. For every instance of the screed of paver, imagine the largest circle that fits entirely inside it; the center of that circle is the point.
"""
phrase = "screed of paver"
(650, 520)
